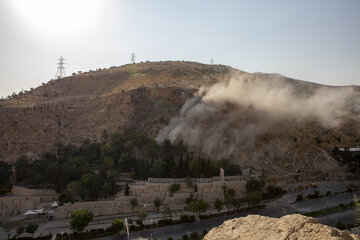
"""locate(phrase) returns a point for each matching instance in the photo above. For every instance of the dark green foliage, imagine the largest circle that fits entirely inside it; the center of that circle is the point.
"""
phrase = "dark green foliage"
(127, 190)
(5, 173)
(20, 230)
(134, 203)
(194, 236)
(198, 206)
(230, 192)
(253, 198)
(80, 219)
(254, 185)
(31, 228)
(299, 198)
(273, 191)
(340, 225)
(173, 188)
(157, 203)
(315, 194)
(22, 168)
(96, 165)
(218, 204)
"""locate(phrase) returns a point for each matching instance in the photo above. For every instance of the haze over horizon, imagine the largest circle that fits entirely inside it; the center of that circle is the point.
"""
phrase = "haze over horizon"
(316, 41)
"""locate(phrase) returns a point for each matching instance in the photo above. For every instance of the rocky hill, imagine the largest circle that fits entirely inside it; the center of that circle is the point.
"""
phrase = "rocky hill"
(263, 121)
(290, 227)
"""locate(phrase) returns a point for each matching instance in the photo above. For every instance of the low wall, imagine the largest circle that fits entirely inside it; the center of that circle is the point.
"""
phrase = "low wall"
(23, 191)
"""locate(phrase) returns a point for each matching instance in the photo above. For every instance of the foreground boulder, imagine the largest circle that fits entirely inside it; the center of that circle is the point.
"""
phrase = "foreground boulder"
(296, 226)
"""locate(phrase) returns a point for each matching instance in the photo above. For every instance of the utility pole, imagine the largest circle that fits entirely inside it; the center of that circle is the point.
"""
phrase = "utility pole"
(132, 59)
(61, 69)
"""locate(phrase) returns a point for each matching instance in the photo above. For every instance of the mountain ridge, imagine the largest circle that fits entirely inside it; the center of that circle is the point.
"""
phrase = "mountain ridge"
(142, 97)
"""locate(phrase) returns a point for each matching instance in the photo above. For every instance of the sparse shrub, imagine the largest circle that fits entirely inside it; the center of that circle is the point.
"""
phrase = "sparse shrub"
(173, 188)
(194, 236)
(340, 225)
(299, 198)
(318, 140)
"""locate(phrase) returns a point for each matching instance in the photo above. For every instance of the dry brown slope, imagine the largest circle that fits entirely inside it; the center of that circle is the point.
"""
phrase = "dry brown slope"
(144, 97)
(68, 110)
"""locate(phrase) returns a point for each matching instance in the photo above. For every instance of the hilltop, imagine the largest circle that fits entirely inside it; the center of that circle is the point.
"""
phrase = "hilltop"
(145, 97)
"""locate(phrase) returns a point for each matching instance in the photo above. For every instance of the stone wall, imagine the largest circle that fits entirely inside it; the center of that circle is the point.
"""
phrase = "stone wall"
(24, 191)
(146, 193)
(24, 199)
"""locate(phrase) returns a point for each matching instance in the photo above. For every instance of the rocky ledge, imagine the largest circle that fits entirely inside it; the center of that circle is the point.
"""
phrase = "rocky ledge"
(290, 227)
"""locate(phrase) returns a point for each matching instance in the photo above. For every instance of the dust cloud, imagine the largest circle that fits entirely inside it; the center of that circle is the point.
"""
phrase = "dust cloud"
(230, 117)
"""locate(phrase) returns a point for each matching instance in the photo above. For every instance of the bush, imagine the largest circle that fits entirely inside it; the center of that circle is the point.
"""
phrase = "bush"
(340, 225)
(254, 185)
(273, 191)
(80, 219)
(299, 198)
(173, 188)
(194, 236)
(117, 225)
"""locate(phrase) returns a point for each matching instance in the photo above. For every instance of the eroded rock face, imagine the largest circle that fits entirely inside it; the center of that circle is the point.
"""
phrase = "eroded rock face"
(290, 227)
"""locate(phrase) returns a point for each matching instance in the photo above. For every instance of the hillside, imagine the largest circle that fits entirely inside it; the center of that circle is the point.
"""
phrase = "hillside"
(151, 97)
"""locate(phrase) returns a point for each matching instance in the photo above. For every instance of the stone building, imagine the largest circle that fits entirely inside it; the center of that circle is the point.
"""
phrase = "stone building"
(23, 199)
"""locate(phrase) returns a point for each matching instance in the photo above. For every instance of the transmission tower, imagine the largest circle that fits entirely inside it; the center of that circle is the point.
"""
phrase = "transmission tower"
(212, 61)
(61, 69)
(132, 59)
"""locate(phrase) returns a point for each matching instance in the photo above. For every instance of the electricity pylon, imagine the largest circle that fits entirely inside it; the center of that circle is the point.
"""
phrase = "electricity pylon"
(61, 69)
(132, 57)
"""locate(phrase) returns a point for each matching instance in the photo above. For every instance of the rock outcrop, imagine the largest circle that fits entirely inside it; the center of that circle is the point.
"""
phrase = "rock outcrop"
(290, 227)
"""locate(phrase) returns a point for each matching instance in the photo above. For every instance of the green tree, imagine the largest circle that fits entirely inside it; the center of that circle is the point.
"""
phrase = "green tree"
(254, 185)
(22, 168)
(173, 188)
(107, 188)
(117, 225)
(31, 228)
(230, 192)
(108, 162)
(73, 190)
(127, 190)
(195, 167)
(5, 172)
(254, 198)
(20, 230)
(157, 203)
(158, 168)
(80, 219)
(189, 182)
(198, 206)
(218, 205)
(134, 203)
(141, 216)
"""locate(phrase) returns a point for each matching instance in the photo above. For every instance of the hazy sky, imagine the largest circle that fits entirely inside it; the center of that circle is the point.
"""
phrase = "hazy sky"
(313, 40)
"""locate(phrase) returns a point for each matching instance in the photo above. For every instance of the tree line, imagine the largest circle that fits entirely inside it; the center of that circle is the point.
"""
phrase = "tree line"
(89, 171)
